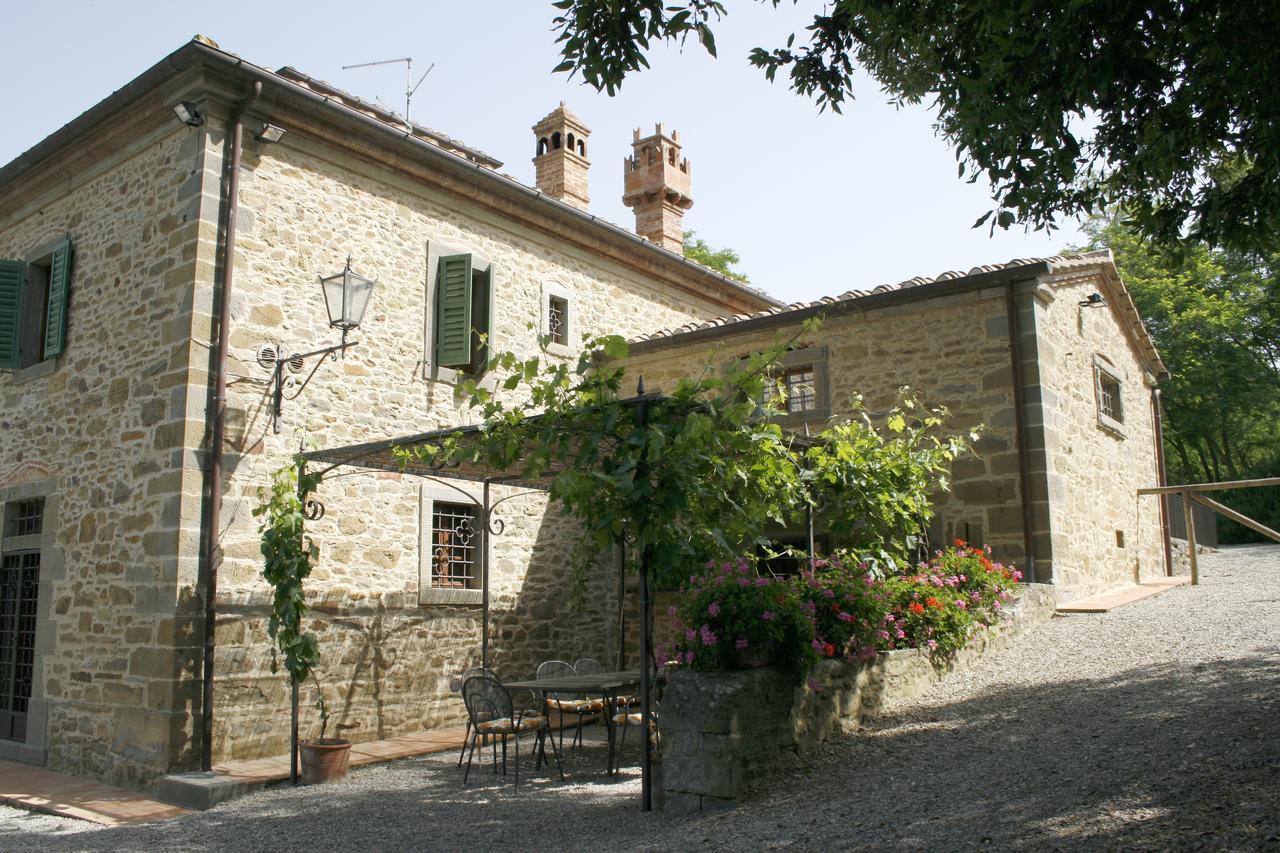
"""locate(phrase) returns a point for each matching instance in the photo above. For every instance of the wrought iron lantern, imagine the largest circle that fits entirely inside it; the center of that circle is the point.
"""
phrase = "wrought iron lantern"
(346, 297)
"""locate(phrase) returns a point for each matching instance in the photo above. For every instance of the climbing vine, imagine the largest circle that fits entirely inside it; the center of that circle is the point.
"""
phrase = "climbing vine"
(288, 556)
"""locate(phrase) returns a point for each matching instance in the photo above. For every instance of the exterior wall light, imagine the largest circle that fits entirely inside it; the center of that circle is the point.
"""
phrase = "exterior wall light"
(346, 296)
(269, 133)
(1093, 300)
(188, 114)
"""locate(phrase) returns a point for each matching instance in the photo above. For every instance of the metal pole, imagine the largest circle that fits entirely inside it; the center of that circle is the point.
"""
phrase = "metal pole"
(646, 764)
(1191, 537)
(622, 602)
(1157, 423)
(293, 731)
(484, 579)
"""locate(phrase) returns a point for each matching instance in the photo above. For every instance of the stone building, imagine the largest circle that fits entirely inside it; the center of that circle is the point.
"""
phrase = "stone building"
(206, 176)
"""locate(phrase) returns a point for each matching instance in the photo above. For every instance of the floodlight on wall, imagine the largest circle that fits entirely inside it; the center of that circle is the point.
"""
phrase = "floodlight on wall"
(188, 114)
(1093, 300)
(269, 133)
(346, 297)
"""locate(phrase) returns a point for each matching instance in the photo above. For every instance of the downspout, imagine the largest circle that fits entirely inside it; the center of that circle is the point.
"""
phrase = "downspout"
(213, 553)
(1020, 426)
(1162, 479)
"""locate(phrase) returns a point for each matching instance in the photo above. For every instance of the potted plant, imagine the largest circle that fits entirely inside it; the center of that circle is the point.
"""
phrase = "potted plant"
(324, 759)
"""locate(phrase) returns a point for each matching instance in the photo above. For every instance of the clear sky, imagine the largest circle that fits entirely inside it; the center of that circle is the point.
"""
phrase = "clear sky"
(815, 204)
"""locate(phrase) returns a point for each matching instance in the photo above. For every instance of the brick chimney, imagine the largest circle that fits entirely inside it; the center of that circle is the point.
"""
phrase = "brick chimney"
(561, 160)
(656, 187)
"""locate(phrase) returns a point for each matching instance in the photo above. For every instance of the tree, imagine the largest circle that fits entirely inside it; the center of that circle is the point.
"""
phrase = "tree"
(1215, 317)
(720, 260)
(1161, 106)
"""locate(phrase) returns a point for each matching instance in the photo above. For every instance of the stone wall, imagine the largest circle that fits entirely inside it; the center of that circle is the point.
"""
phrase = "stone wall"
(95, 431)
(387, 658)
(952, 351)
(1104, 535)
(723, 732)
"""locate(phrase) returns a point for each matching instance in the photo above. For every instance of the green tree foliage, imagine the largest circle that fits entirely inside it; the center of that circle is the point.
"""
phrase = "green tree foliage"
(720, 260)
(1215, 317)
(1163, 106)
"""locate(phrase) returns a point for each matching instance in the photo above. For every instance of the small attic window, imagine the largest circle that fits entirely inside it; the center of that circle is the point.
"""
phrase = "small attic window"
(558, 319)
(1109, 390)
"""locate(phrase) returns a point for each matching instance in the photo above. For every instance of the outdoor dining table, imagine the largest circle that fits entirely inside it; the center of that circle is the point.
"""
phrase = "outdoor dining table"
(608, 685)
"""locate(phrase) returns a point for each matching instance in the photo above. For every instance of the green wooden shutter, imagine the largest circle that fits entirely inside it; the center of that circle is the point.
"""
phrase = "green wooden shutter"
(453, 311)
(11, 276)
(55, 322)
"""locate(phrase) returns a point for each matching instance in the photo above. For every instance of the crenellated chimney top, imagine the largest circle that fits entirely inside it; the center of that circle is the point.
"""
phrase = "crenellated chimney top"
(560, 159)
(656, 187)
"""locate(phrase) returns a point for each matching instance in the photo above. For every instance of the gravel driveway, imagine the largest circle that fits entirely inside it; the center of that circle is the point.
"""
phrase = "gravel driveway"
(1156, 726)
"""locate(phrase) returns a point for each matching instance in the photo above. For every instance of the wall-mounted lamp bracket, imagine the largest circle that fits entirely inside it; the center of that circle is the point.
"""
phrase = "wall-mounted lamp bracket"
(280, 381)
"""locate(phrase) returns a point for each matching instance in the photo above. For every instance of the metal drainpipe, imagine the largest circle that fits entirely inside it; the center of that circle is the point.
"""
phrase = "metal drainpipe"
(1020, 422)
(214, 517)
(1162, 479)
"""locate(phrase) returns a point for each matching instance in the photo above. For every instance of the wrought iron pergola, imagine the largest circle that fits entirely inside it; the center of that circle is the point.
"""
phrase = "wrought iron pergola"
(388, 455)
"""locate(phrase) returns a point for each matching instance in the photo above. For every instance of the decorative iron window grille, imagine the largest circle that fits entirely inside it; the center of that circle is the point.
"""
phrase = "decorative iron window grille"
(1109, 397)
(26, 517)
(19, 587)
(802, 395)
(557, 319)
(453, 550)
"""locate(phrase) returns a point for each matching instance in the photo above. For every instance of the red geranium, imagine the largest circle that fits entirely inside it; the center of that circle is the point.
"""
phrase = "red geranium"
(916, 607)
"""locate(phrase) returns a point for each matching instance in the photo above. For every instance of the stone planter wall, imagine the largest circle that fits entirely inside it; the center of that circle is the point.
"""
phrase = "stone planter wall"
(724, 731)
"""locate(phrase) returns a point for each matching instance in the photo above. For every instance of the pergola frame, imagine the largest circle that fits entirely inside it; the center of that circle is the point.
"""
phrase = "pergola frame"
(387, 455)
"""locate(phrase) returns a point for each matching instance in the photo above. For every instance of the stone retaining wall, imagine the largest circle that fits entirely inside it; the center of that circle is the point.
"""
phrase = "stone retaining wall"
(724, 731)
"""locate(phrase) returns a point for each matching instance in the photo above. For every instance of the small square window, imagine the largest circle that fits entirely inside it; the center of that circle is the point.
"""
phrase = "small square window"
(453, 546)
(25, 517)
(802, 395)
(558, 320)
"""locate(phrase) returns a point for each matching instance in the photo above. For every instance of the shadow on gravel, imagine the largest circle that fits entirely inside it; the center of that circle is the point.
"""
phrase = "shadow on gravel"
(1158, 757)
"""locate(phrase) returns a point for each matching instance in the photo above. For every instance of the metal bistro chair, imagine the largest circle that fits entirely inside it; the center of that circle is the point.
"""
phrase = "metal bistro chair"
(627, 716)
(492, 714)
(567, 704)
(467, 675)
(591, 666)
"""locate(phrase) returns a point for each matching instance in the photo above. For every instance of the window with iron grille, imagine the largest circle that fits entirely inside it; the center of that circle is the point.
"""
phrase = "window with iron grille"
(1107, 385)
(558, 320)
(453, 546)
(19, 592)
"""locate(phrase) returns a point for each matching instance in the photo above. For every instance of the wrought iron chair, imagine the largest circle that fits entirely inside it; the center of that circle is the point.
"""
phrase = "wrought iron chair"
(492, 714)
(468, 674)
(626, 716)
(567, 703)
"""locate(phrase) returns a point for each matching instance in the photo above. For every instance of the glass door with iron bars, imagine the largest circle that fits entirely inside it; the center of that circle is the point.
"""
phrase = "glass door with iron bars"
(19, 588)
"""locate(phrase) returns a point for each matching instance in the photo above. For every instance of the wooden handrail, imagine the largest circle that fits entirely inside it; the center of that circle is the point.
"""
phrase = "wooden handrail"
(1209, 487)
(1191, 493)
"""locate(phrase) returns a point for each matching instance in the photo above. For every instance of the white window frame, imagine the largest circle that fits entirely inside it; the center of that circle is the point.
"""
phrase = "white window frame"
(431, 492)
(1102, 367)
(548, 290)
(479, 263)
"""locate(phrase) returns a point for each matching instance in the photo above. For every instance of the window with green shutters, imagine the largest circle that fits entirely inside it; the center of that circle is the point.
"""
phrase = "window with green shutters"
(34, 295)
(463, 302)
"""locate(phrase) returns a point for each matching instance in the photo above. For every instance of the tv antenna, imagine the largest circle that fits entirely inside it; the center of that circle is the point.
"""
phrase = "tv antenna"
(409, 86)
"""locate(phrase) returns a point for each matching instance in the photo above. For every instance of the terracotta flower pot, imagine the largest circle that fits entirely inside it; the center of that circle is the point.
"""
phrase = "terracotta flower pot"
(324, 760)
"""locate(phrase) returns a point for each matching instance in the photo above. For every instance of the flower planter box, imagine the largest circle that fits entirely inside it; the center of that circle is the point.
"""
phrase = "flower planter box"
(722, 732)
